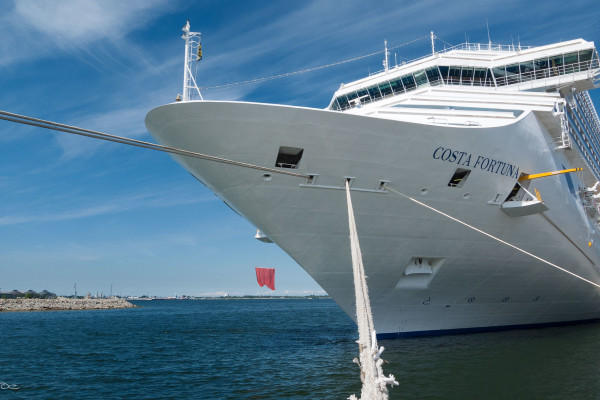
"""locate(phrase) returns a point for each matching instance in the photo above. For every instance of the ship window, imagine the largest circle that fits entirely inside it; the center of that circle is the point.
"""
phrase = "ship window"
(467, 75)
(489, 78)
(343, 102)
(479, 76)
(500, 75)
(585, 55)
(363, 95)
(555, 63)
(374, 92)
(541, 67)
(433, 75)
(351, 96)
(459, 178)
(385, 88)
(421, 78)
(570, 58)
(512, 73)
(444, 73)
(454, 77)
(527, 70)
(409, 82)
(397, 86)
(288, 157)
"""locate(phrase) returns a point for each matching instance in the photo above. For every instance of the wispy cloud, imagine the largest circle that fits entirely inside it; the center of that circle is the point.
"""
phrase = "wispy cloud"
(50, 25)
(121, 122)
(148, 200)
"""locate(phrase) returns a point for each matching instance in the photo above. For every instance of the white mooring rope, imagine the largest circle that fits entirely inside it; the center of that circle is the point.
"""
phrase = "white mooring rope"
(22, 119)
(371, 373)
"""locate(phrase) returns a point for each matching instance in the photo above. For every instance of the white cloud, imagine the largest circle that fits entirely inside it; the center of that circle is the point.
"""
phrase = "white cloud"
(80, 22)
(47, 25)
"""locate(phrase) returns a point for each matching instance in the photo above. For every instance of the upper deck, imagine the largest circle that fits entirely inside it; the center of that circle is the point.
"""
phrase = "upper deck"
(542, 68)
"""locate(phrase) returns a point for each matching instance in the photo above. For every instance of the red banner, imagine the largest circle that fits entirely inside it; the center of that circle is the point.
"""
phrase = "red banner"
(266, 276)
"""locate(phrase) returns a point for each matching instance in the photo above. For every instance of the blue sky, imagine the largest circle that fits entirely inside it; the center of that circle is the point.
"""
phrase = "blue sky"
(76, 210)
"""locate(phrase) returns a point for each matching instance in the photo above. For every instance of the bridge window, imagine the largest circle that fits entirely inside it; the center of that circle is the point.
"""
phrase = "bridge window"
(541, 68)
(444, 73)
(479, 76)
(343, 102)
(512, 73)
(571, 61)
(555, 63)
(585, 55)
(433, 75)
(363, 95)
(526, 70)
(489, 78)
(420, 78)
(351, 96)
(374, 92)
(467, 76)
(409, 82)
(454, 76)
(500, 75)
(385, 88)
(397, 86)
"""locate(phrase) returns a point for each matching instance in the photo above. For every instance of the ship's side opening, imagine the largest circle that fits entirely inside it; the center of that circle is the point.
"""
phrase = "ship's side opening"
(288, 157)
(459, 178)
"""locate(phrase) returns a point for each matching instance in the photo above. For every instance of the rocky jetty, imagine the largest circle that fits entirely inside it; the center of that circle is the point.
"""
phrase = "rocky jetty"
(62, 303)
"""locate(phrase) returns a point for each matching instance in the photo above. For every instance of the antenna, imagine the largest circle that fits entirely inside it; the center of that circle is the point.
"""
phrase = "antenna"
(488, 30)
(432, 43)
(386, 62)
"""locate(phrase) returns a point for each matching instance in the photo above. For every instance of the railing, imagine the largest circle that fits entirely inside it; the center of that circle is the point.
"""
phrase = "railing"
(465, 47)
(485, 47)
(590, 110)
(468, 82)
(590, 204)
(546, 73)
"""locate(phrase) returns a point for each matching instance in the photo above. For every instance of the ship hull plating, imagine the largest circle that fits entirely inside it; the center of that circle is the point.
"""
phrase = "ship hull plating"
(426, 272)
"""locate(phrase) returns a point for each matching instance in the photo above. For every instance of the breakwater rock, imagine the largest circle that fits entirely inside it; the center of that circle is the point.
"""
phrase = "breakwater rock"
(62, 303)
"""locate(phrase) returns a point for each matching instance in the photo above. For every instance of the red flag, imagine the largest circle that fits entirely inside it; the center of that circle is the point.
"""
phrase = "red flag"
(266, 276)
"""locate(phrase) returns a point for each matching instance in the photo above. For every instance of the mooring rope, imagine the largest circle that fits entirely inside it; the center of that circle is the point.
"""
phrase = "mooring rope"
(374, 381)
(492, 236)
(302, 71)
(22, 119)
(8, 386)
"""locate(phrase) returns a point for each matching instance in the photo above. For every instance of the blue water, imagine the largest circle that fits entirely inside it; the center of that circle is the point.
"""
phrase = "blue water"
(276, 349)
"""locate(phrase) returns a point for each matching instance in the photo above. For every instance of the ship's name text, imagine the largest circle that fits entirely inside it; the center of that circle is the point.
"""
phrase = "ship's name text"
(469, 160)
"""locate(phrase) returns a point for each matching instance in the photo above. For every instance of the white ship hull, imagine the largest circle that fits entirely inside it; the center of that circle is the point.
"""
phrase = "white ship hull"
(470, 281)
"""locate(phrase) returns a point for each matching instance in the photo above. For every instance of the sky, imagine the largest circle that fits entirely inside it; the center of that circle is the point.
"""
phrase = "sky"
(78, 211)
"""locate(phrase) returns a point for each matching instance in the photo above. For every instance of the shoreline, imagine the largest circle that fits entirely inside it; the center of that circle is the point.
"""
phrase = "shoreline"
(62, 304)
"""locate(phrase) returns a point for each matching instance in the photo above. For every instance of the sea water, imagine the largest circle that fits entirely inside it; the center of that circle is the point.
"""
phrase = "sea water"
(276, 349)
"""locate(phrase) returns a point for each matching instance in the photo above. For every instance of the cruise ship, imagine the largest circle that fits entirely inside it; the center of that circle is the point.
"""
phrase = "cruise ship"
(473, 173)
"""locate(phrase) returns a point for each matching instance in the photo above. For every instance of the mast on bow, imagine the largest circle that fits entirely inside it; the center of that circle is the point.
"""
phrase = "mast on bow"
(193, 52)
